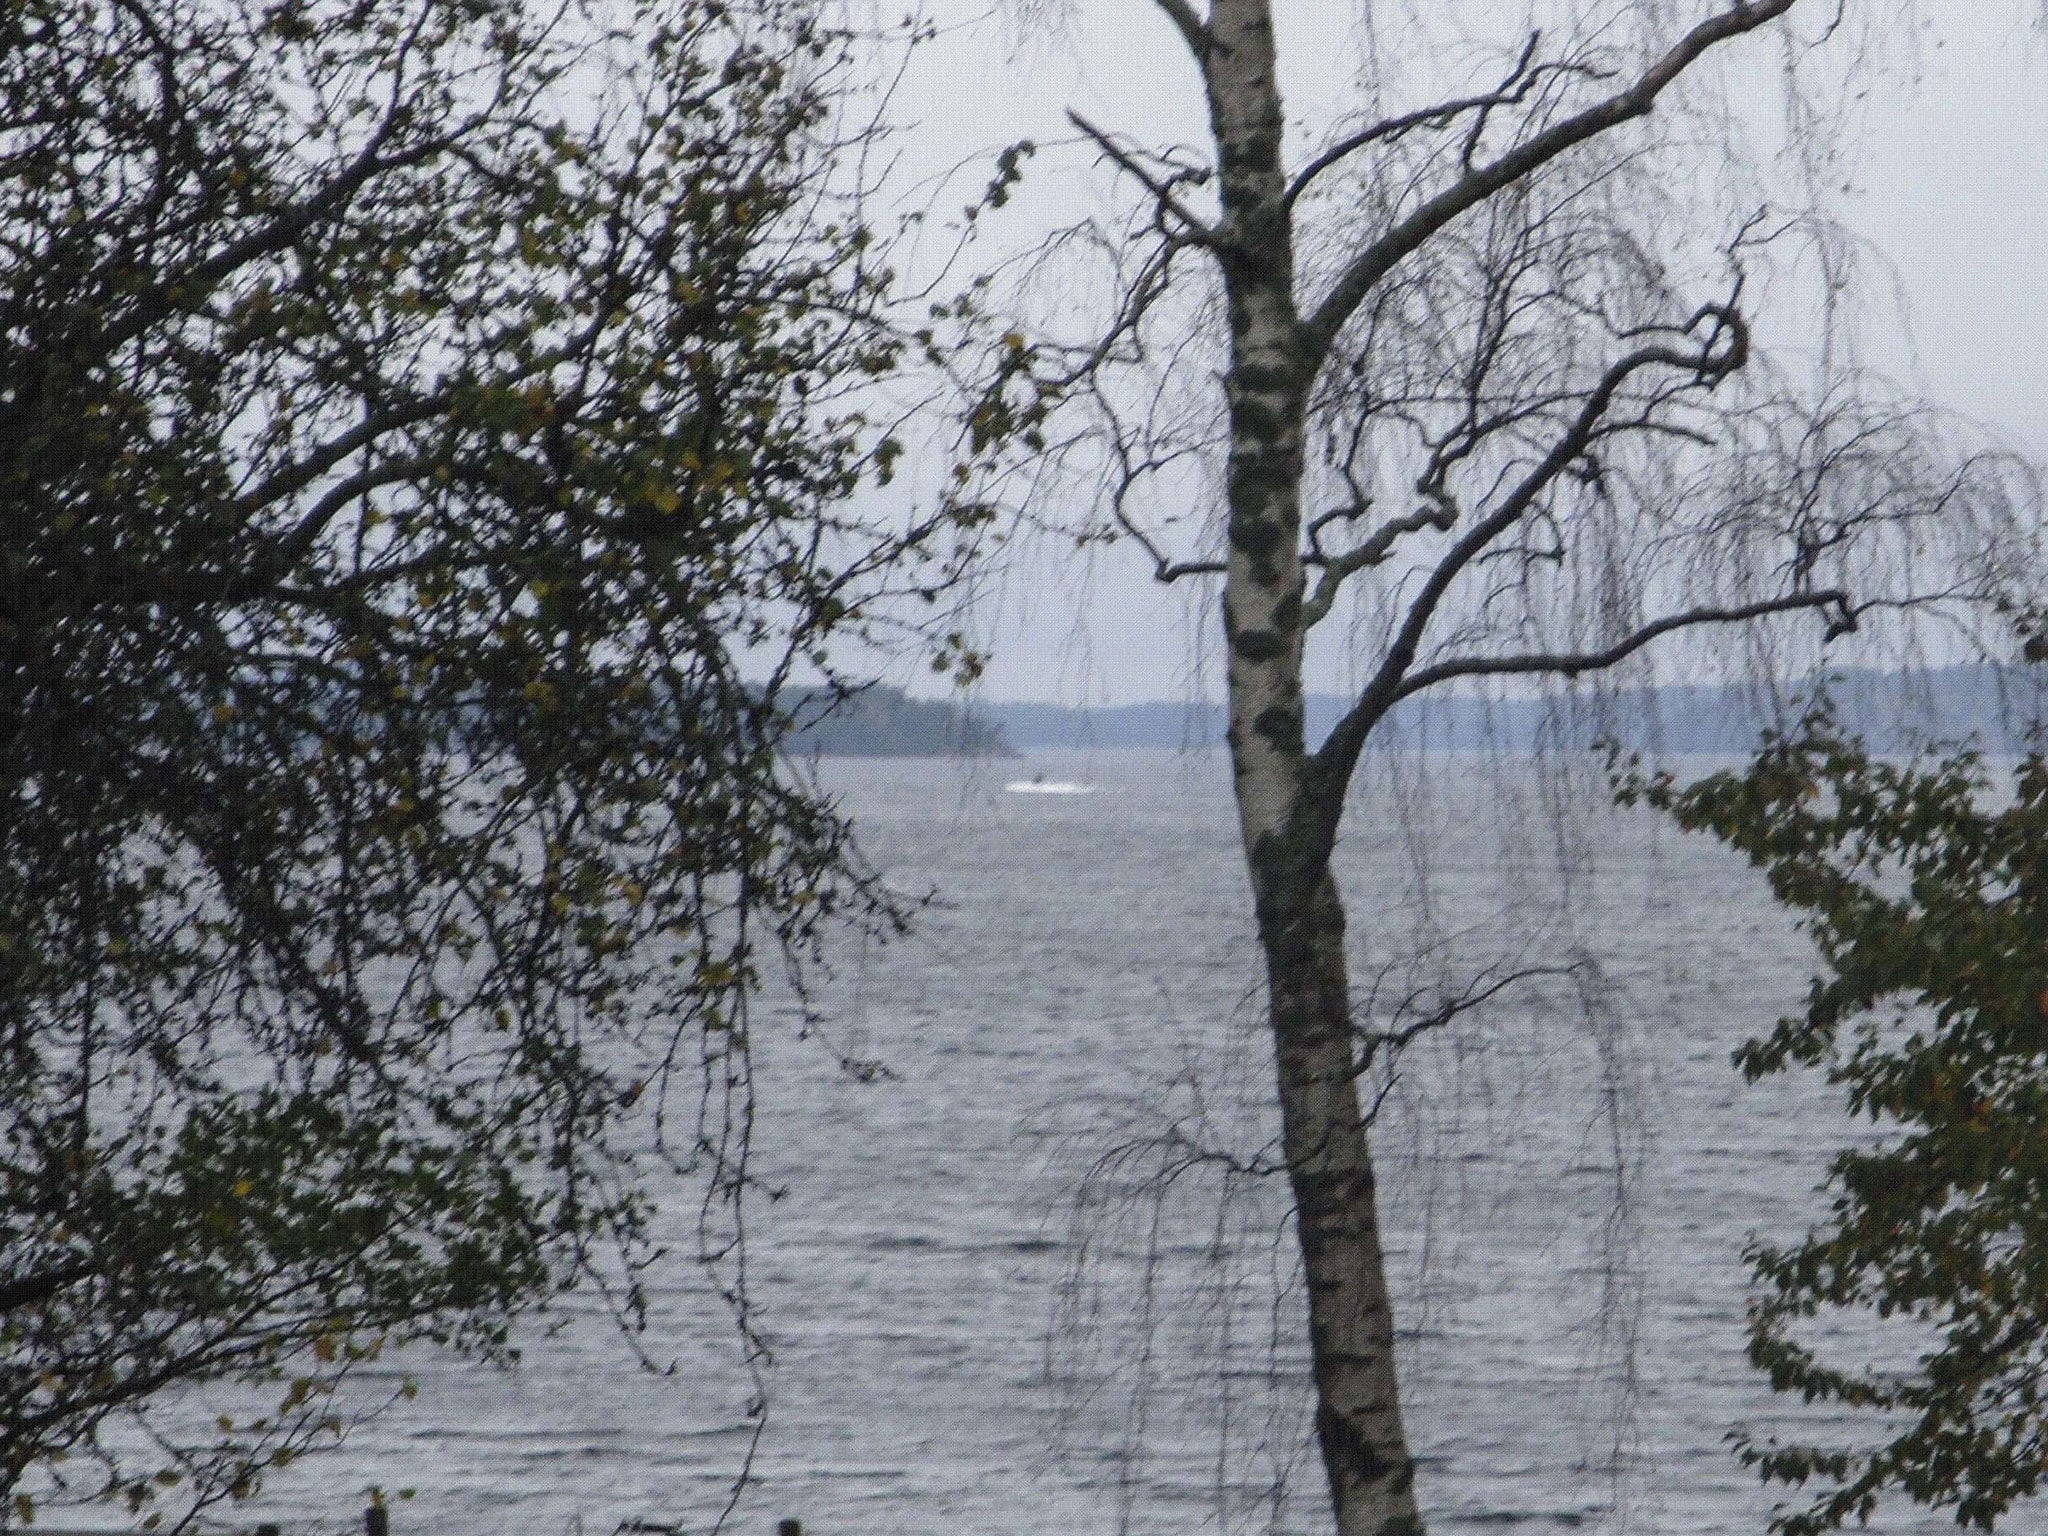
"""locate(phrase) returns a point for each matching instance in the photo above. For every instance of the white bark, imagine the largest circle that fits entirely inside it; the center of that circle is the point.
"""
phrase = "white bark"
(1300, 918)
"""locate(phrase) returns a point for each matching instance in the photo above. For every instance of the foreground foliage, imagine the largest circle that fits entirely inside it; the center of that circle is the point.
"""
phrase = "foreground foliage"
(414, 419)
(1925, 888)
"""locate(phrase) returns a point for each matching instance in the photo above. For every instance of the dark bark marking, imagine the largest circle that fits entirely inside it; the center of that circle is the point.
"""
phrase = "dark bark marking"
(1281, 726)
(1257, 645)
(1287, 612)
(1257, 537)
(1249, 380)
(1358, 1457)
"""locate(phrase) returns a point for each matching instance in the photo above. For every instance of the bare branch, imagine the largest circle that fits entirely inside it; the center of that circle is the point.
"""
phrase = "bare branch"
(268, 574)
(1166, 573)
(1445, 1009)
(1193, 30)
(1512, 90)
(27, 1290)
(275, 489)
(1317, 555)
(1194, 228)
(1165, 569)
(1483, 181)
(1723, 350)
(1571, 664)
(1337, 569)
(1151, 284)
(1387, 128)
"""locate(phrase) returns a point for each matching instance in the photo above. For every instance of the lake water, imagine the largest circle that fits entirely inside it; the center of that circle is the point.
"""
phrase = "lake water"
(1012, 1286)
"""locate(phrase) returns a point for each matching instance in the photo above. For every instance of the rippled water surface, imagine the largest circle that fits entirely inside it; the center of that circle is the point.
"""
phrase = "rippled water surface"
(1015, 1286)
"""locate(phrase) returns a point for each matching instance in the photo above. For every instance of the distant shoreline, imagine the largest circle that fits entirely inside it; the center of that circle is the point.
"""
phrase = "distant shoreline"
(1892, 711)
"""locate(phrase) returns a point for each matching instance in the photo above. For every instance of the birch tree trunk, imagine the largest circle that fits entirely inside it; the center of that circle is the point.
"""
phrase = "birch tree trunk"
(1300, 915)
(1329, 1163)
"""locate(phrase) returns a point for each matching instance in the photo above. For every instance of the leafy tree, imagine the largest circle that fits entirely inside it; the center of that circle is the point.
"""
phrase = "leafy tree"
(1925, 888)
(1461, 382)
(426, 440)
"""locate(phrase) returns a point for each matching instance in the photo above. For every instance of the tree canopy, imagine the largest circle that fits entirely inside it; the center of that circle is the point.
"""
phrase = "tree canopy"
(427, 436)
(1925, 888)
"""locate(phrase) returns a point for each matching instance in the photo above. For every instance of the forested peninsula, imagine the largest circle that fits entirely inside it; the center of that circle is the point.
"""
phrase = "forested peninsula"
(884, 721)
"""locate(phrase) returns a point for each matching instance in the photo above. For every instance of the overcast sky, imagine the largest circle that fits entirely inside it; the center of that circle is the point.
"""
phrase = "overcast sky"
(1950, 188)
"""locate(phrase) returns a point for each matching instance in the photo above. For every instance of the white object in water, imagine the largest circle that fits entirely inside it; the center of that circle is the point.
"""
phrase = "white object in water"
(1039, 784)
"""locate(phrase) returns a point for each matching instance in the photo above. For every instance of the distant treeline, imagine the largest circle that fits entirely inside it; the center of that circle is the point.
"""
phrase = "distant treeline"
(882, 721)
(1891, 710)
(1989, 705)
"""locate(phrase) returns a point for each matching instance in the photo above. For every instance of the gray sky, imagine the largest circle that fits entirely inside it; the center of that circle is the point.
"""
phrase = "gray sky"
(1949, 180)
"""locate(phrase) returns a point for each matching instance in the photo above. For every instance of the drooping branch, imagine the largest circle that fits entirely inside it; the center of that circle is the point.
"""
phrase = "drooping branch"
(1481, 182)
